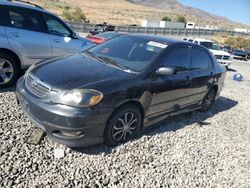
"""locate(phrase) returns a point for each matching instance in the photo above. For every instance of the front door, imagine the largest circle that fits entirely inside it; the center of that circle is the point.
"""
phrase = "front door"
(63, 43)
(25, 32)
(171, 93)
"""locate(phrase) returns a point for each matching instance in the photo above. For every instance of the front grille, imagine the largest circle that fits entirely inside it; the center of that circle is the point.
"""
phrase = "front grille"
(36, 86)
(226, 57)
(218, 56)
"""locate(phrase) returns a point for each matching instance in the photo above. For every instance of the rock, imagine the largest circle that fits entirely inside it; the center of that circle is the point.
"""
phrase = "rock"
(59, 153)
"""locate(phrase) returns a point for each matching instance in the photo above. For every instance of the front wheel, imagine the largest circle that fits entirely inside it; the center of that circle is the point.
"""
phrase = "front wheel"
(208, 101)
(123, 125)
(8, 70)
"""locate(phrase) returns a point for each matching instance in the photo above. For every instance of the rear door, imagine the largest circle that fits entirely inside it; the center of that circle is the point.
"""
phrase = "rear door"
(61, 37)
(26, 33)
(202, 73)
(172, 93)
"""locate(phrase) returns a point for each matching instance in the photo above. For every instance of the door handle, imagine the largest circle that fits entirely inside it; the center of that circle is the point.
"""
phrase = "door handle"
(56, 40)
(16, 34)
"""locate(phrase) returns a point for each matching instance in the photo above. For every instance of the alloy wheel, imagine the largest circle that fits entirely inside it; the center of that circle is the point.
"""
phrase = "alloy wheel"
(6, 71)
(125, 127)
(208, 100)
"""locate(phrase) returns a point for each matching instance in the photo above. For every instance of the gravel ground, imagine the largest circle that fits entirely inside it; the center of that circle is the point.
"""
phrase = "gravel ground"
(192, 150)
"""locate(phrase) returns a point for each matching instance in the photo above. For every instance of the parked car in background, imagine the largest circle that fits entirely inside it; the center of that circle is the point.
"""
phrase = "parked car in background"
(30, 34)
(224, 58)
(102, 37)
(109, 92)
(248, 54)
(101, 28)
(239, 54)
(227, 49)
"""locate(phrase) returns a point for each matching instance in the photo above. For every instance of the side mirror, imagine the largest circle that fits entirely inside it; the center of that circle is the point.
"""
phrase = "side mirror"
(165, 71)
(75, 36)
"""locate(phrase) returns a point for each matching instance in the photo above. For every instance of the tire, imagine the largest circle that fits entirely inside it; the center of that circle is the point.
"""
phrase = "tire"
(208, 101)
(9, 70)
(123, 125)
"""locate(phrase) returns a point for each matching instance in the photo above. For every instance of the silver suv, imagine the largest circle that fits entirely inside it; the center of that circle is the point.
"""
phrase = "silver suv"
(30, 34)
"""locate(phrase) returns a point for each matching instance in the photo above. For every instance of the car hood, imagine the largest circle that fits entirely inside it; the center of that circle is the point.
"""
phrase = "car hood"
(219, 52)
(77, 71)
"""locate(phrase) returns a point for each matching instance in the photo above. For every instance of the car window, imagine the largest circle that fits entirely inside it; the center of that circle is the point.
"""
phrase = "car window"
(24, 19)
(200, 59)
(56, 27)
(1, 16)
(178, 59)
(196, 42)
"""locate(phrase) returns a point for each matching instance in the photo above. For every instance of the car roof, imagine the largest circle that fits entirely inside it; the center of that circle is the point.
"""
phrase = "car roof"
(23, 5)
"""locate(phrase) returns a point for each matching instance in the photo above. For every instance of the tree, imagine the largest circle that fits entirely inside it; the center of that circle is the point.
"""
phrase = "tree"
(181, 18)
(166, 18)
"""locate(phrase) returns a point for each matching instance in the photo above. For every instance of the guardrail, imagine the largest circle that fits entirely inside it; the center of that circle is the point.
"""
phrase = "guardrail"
(86, 27)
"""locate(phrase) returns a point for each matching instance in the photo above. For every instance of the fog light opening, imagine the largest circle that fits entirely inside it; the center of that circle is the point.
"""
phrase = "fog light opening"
(72, 133)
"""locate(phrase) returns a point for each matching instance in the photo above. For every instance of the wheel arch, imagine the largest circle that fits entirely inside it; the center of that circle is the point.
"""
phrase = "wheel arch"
(136, 103)
(12, 54)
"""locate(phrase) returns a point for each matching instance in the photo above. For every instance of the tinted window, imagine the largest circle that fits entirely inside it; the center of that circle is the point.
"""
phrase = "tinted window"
(1, 16)
(178, 59)
(200, 59)
(131, 52)
(210, 45)
(24, 19)
(56, 27)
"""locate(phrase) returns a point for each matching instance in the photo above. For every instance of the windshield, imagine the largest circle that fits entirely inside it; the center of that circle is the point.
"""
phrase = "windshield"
(210, 45)
(128, 52)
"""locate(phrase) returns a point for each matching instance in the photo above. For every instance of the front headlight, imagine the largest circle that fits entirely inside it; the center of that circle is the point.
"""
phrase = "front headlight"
(78, 97)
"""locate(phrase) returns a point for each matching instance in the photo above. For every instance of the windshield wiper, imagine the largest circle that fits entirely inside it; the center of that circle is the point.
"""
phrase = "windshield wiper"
(92, 55)
(112, 62)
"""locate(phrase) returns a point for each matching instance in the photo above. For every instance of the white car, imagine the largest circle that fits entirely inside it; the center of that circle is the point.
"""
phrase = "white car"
(222, 57)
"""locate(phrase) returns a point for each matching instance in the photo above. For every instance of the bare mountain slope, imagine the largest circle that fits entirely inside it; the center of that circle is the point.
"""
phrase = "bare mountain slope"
(122, 12)
(193, 14)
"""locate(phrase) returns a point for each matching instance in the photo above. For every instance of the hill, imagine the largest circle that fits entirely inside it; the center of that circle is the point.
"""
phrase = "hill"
(122, 12)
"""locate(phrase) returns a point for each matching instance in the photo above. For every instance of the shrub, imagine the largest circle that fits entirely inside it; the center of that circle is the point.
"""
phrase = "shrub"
(67, 15)
(78, 15)
(166, 18)
(238, 42)
(75, 15)
(181, 18)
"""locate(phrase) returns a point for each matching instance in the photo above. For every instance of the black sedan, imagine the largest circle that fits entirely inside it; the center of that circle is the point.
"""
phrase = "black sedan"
(110, 92)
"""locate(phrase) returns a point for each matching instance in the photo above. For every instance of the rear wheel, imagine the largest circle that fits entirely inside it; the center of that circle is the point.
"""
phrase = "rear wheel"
(123, 125)
(8, 70)
(208, 101)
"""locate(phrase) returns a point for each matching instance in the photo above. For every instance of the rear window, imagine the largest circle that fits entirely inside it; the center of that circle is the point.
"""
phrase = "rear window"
(24, 19)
